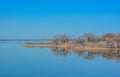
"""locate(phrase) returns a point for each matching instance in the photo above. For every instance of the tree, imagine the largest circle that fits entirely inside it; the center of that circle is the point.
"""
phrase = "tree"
(60, 39)
(107, 36)
(79, 40)
(89, 37)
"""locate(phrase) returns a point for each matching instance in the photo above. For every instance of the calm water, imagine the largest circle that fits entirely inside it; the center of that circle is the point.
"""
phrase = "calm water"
(19, 61)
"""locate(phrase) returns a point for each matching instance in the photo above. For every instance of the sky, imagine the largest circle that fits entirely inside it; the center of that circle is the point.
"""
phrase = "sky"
(46, 18)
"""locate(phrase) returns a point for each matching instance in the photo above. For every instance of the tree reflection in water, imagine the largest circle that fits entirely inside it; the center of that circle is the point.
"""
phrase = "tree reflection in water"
(89, 55)
(59, 51)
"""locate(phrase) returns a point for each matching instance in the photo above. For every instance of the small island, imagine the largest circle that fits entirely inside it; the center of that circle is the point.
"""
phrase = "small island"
(88, 41)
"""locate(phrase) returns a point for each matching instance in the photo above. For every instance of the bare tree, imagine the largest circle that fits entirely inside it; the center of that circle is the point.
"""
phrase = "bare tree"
(107, 36)
(79, 40)
(60, 39)
(88, 37)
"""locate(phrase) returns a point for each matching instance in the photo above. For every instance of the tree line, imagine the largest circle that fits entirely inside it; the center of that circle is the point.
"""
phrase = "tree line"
(108, 40)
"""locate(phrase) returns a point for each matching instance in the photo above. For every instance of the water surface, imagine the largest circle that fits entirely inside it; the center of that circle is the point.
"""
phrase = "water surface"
(19, 61)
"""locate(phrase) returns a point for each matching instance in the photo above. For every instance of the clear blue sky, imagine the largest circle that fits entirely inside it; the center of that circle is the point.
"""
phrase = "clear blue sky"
(46, 18)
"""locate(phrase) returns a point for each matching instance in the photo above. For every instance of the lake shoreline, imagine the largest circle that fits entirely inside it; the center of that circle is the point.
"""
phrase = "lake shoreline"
(71, 47)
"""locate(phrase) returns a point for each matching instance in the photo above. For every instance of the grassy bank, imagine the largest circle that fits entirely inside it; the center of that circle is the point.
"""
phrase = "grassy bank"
(70, 47)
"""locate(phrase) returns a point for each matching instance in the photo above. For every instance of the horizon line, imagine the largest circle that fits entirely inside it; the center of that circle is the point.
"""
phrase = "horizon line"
(24, 39)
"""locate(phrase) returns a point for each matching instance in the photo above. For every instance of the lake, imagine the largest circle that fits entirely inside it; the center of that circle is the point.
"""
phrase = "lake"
(19, 61)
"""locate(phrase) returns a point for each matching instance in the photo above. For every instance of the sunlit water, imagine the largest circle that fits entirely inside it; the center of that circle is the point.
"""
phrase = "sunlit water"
(19, 61)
